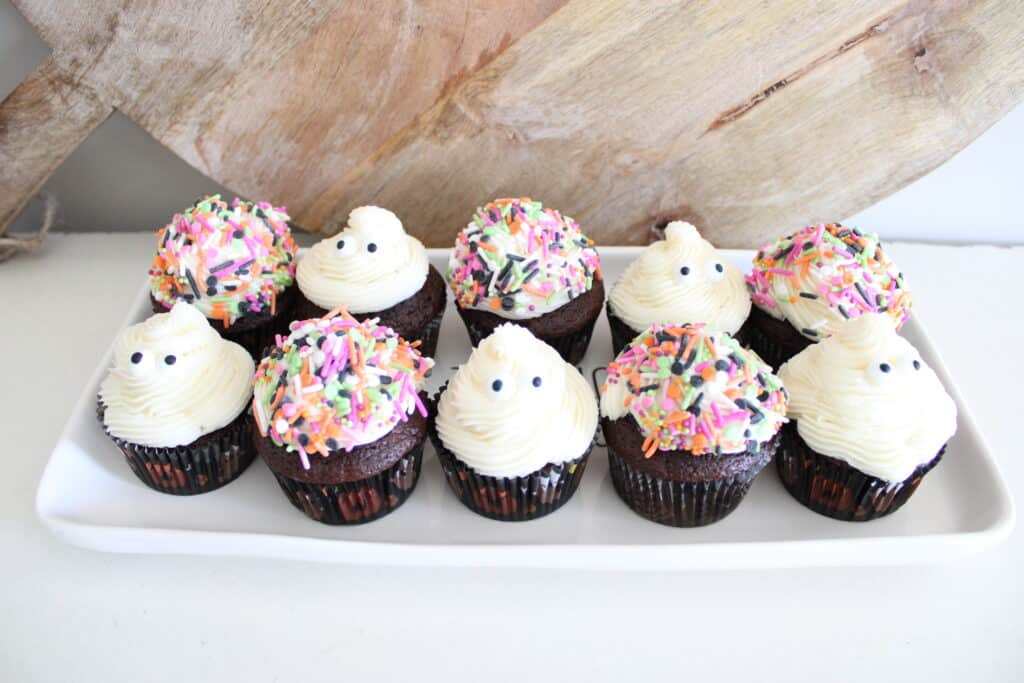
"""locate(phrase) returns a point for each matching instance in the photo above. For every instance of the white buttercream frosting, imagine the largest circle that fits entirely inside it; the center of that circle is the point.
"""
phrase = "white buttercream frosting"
(681, 279)
(369, 266)
(864, 396)
(174, 379)
(516, 406)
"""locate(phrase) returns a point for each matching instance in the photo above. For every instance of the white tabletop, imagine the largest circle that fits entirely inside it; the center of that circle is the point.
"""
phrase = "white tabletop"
(68, 614)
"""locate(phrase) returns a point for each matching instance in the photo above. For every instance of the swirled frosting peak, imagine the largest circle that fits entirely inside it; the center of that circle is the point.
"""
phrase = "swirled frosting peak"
(865, 396)
(681, 279)
(227, 261)
(174, 379)
(335, 383)
(823, 275)
(369, 266)
(516, 406)
(694, 390)
(520, 260)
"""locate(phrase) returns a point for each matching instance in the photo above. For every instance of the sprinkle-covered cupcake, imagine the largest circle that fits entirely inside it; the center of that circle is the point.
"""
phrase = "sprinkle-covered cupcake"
(519, 262)
(870, 419)
(342, 422)
(175, 403)
(375, 270)
(235, 263)
(690, 418)
(806, 285)
(680, 279)
(514, 427)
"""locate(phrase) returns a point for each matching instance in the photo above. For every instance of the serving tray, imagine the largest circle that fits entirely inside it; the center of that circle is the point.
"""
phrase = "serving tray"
(89, 497)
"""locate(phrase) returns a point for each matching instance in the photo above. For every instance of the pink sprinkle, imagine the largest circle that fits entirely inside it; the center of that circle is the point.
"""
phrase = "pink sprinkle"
(289, 409)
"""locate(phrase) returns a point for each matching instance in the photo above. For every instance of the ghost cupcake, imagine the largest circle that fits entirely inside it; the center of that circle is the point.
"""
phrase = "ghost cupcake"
(235, 263)
(806, 285)
(375, 270)
(175, 400)
(520, 262)
(514, 427)
(341, 421)
(680, 279)
(870, 419)
(690, 417)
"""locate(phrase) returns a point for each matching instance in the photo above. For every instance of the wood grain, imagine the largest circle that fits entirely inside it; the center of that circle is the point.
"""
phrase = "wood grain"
(745, 118)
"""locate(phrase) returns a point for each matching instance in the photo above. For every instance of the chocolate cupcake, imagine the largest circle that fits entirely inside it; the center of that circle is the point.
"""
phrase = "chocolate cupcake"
(690, 418)
(806, 285)
(175, 403)
(514, 427)
(340, 418)
(870, 419)
(235, 263)
(375, 270)
(519, 262)
(680, 279)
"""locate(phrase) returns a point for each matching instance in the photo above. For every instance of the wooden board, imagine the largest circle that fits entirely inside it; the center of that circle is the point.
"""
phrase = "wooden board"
(744, 118)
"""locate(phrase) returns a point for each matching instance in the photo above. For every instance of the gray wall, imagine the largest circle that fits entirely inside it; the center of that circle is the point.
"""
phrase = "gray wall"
(121, 179)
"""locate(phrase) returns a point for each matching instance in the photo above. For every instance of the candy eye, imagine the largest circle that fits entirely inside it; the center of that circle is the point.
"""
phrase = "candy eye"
(917, 365)
(496, 385)
(685, 270)
(715, 271)
(341, 245)
(884, 367)
(170, 359)
(371, 247)
(687, 273)
(136, 358)
(536, 381)
(346, 245)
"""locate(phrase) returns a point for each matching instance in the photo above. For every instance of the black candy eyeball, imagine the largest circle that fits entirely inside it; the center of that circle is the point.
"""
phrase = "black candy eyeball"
(340, 245)
(496, 385)
(685, 270)
(371, 247)
(137, 357)
(536, 381)
(719, 267)
(170, 359)
(917, 365)
(884, 367)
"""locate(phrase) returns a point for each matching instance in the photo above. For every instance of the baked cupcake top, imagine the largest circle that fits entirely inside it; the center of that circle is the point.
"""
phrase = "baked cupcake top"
(516, 406)
(694, 390)
(864, 396)
(681, 279)
(227, 261)
(823, 275)
(335, 383)
(174, 379)
(369, 266)
(520, 260)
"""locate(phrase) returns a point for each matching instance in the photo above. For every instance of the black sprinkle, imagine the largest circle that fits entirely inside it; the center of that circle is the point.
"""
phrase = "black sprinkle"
(211, 291)
(332, 445)
(192, 283)
(515, 257)
(721, 364)
(696, 380)
(507, 303)
(677, 368)
(238, 234)
(809, 331)
(385, 379)
(863, 294)
(808, 295)
(211, 281)
(304, 439)
(220, 266)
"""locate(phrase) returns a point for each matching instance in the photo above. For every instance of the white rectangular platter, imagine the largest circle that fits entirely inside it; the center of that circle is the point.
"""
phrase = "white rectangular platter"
(89, 497)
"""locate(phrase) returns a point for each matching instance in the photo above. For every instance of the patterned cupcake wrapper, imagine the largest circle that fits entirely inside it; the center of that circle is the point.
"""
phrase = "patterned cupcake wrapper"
(680, 503)
(622, 333)
(836, 489)
(197, 468)
(773, 350)
(430, 334)
(571, 347)
(356, 502)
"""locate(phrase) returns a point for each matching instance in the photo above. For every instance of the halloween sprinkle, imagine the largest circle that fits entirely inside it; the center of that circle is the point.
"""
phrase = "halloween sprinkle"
(227, 261)
(518, 259)
(831, 268)
(335, 383)
(696, 390)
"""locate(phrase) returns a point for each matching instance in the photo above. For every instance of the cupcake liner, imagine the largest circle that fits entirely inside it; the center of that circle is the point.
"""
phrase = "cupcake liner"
(206, 464)
(571, 347)
(682, 503)
(622, 333)
(430, 334)
(356, 502)
(835, 488)
(776, 341)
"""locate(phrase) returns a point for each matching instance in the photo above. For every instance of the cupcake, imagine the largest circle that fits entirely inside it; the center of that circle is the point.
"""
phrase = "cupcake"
(680, 279)
(175, 403)
(869, 420)
(234, 263)
(340, 419)
(690, 417)
(806, 285)
(519, 262)
(375, 270)
(514, 427)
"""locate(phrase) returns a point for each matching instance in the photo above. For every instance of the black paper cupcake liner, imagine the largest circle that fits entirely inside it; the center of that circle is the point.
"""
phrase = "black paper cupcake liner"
(213, 460)
(357, 502)
(682, 503)
(835, 488)
(776, 341)
(430, 334)
(571, 347)
(622, 333)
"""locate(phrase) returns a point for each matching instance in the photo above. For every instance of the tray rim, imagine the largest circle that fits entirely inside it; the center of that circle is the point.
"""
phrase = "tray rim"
(729, 555)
